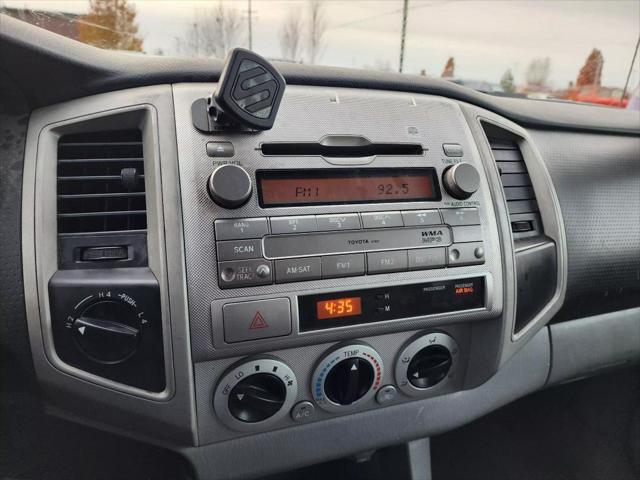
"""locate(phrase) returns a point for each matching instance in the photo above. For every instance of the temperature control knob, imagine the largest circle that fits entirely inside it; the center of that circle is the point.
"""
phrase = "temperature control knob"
(230, 186)
(346, 376)
(107, 332)
(255, 393)
(461, 180)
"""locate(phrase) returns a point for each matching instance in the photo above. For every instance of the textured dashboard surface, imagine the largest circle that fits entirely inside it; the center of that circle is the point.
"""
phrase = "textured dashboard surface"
(597, 179)
(14, 339)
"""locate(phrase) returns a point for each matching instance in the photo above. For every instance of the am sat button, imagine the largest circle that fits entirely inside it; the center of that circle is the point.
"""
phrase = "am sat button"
(245, 321)
(298, 270)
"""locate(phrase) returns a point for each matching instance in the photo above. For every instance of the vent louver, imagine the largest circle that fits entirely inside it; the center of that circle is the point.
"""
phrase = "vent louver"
(100, 182)
(516, 183)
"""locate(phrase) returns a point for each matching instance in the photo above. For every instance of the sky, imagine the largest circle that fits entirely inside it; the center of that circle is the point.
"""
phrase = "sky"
(485, 37)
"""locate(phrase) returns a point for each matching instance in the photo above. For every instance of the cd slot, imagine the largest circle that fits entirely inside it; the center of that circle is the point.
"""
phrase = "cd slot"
(341, 147)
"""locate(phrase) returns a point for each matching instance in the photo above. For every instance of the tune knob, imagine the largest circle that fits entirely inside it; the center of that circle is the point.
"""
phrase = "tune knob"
(461, 180)
(346, 376)
(230, 186)
(255, 393)
(107, 332)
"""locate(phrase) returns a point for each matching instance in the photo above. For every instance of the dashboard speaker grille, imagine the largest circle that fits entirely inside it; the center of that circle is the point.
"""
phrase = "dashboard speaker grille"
(100, 182)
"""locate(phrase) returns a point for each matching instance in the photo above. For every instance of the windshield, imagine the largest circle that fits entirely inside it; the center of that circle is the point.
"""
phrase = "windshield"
(569, 50)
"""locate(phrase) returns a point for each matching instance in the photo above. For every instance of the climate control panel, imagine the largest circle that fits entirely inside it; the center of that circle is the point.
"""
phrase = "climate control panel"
(254, 394)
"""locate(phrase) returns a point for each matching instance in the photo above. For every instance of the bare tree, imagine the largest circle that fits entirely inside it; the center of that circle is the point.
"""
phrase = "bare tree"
(291, 35)
(449, 68)
(317, 29)
(214, 31)
(538, 72)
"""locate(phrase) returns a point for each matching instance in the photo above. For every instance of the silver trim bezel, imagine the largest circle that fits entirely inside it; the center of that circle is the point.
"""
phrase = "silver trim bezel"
(245, 369)
(344, 352)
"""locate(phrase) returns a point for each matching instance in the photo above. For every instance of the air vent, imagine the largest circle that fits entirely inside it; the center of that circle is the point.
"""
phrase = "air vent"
(521, 199)
(101, 183)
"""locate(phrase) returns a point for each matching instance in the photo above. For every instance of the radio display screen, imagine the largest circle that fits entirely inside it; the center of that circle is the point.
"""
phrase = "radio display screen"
(280, 188)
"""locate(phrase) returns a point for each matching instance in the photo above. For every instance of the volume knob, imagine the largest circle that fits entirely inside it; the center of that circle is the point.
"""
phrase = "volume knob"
(461, 180)
(230, 186)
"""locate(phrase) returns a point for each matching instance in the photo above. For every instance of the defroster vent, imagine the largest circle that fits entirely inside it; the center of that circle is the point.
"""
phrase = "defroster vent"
(100, 182)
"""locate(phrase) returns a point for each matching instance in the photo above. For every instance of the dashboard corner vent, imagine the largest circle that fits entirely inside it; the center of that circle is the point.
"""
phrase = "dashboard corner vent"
(100, 183)
(521, 199)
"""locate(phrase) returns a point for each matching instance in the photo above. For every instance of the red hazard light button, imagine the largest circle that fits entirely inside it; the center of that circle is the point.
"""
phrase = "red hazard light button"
(244, 321)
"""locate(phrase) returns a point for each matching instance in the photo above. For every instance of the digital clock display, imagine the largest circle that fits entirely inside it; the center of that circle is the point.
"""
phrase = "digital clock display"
(344, 186)
(339, 307)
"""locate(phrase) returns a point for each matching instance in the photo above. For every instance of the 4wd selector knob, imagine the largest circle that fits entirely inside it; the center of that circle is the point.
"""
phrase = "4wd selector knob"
(346, 376)
(107, 332)
(461, 180)
(230, 186)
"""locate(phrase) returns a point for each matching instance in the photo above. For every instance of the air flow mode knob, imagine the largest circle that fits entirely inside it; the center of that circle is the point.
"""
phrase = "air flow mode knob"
(255, 393)
(230, 186)
(461, 180)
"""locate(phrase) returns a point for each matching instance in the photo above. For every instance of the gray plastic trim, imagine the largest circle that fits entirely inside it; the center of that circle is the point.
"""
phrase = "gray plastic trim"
(305, 444)
(549, 211)
(167, 417)
(590, 345)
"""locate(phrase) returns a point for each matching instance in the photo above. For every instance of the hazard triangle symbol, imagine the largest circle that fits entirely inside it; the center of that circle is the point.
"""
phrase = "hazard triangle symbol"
(258, 322)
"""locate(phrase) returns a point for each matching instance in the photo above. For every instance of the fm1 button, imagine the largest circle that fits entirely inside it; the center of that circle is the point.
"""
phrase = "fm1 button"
(303, 411)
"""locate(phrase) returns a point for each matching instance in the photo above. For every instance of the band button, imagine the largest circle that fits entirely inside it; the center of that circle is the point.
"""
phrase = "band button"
(386, 262)
(336, 266)
(425, 258)
(298, 269)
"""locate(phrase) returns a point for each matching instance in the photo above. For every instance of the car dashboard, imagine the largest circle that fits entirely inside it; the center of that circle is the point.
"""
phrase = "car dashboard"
(393, 259)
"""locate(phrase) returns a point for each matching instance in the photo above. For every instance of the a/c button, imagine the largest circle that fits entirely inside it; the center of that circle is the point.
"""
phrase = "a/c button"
(258, 319)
